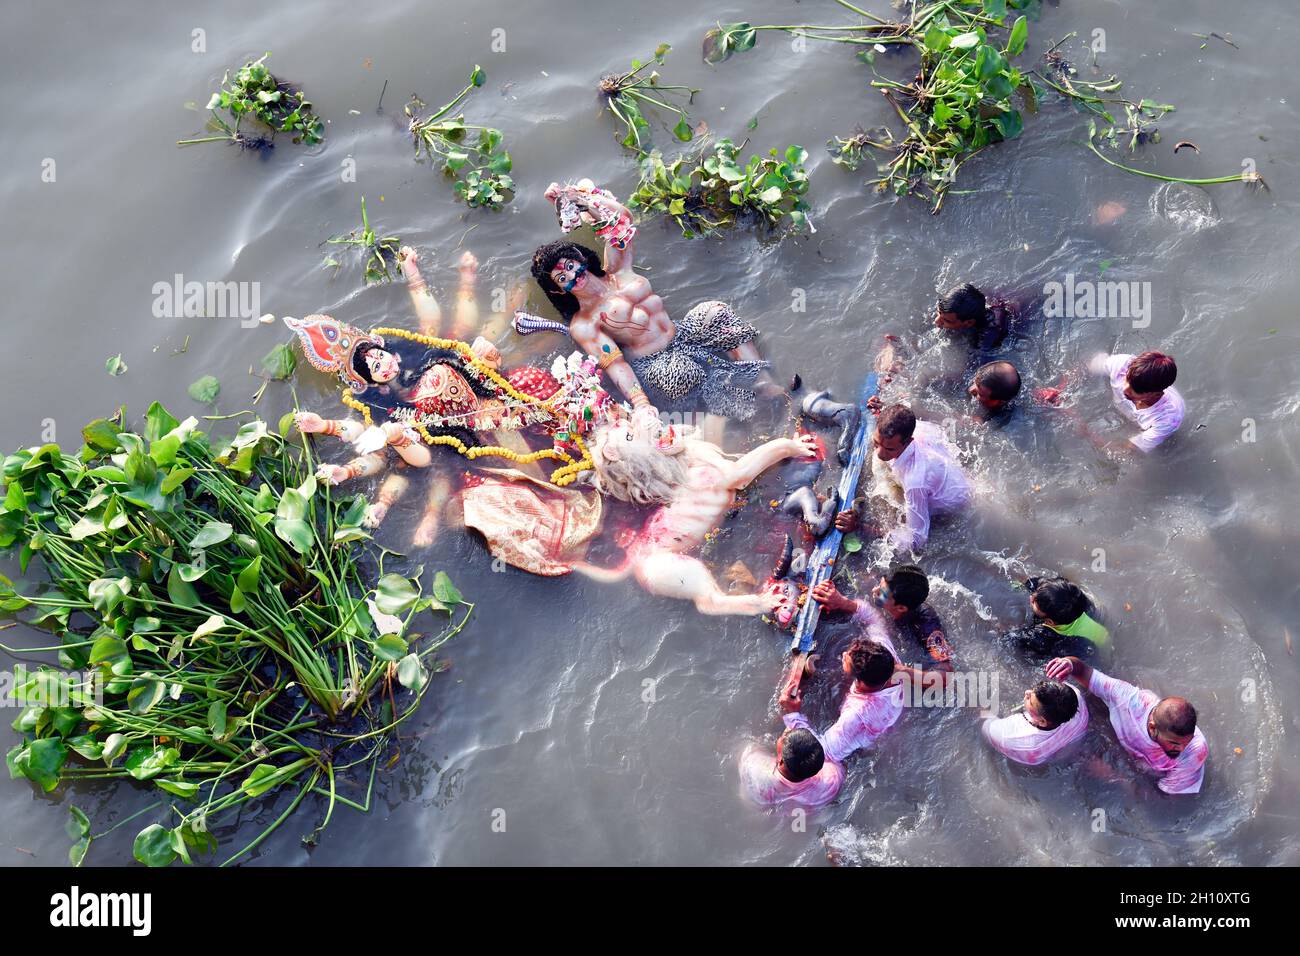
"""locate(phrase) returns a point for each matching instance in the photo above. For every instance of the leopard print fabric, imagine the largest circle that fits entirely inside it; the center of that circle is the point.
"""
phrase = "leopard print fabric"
(695, 370)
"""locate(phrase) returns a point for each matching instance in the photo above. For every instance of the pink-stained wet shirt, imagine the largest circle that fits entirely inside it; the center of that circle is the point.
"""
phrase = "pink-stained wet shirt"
(1017, 739)
(864, 717)
(932, 483)
(1130, 709)
(762, 781)
(1157, 422)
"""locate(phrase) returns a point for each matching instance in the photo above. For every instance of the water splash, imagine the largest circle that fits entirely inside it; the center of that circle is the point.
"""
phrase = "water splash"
(1189, 207)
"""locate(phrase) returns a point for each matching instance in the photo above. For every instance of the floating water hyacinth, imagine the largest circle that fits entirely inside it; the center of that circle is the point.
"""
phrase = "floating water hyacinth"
(965, 95)
(707, 194)
(254, 93)
(480, 169)
(380, 252)
(627, 94)
(218, 633)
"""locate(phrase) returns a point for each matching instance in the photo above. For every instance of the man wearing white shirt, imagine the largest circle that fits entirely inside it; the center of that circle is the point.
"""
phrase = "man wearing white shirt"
(874, 699)
(1142, 387)
(800, 773)
(924, 465)
(1053, 717)
(1160, 732)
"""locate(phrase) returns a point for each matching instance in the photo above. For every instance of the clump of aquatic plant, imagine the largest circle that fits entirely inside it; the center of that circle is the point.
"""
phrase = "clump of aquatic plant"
(218, 636)
(627, 94)
(958, 102)
(724, 40)
(480, 169)
(1099, 98)
(707, 193)
(962, 97)
(1101, 101)
(380, 252)
(254, 93)
(1245, 176)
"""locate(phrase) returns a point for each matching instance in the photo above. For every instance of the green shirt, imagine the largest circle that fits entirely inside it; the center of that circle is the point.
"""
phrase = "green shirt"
(1085, 627)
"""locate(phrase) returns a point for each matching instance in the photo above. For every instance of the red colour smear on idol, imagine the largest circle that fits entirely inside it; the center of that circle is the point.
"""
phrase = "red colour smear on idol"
(817, 439)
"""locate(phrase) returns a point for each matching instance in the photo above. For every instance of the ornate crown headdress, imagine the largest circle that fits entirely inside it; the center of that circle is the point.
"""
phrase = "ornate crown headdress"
(330, 344)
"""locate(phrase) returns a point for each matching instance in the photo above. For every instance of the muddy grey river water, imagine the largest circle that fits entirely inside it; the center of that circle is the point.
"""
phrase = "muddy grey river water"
(544, 721)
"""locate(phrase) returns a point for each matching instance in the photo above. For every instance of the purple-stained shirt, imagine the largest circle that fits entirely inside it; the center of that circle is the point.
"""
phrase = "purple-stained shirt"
(1130, 709)
(1017, 739)
(865, 715)
(932, 483)
(762, 781)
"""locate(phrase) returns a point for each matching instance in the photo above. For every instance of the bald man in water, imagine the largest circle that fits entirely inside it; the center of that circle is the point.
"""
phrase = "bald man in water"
(1160, 732)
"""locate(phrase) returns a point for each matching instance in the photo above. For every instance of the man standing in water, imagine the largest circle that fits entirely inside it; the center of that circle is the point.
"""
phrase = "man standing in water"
(994, 386)
(923, 465)
(1144, 394)
(802, 774)
(964, 309)
(874, 699)
(900, 595)
(1065, 622)
(1053, 717)
(1161, 732)
(1142, 387)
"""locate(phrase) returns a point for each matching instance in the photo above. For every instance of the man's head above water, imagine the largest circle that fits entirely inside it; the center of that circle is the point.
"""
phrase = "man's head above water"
(1149, 374)
(869, 663)
(1057, 601)
(1050, 703)
(1172, 724)
(901, 591)
(995, 384)
(894, 428)
(799, 754)
(961, 308)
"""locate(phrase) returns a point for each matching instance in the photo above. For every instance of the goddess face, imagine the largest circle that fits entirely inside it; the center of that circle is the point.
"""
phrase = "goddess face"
(383, 365)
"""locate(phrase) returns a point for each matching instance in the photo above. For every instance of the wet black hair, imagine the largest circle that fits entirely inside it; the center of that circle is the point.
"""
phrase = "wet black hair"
(412, 370)
(545, 259)
(386, 398)
(802, 754)
(870, 661)
(1059, 600)
(966, 302)
(908, 586)
(359, 364)
(1057, 701)
(896, 421)
(1001, 379)
(1152, 372)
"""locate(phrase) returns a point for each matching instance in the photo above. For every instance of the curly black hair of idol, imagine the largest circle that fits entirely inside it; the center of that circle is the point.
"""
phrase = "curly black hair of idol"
(546, 258)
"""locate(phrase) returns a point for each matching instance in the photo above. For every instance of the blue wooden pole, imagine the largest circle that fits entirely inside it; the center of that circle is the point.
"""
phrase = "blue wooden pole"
(820, 566)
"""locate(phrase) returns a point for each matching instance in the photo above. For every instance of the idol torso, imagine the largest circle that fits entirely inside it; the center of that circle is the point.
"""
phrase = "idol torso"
(697, 509)
(628, 312)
